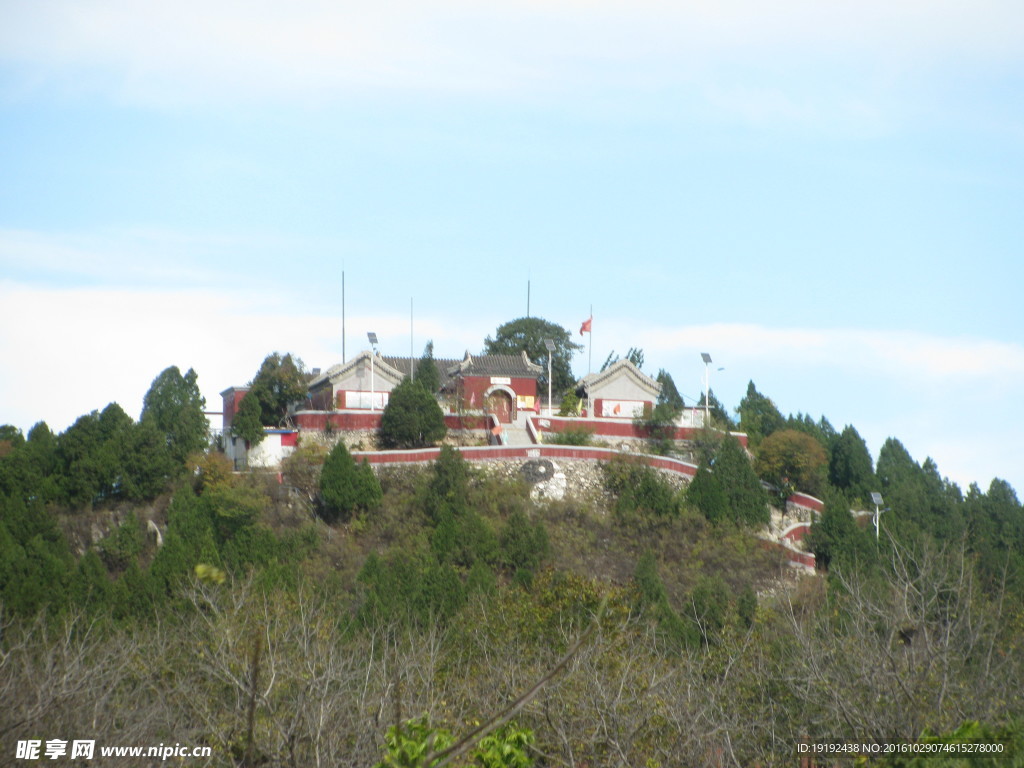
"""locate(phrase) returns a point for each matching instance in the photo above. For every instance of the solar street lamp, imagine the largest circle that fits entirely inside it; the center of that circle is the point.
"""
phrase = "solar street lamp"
(876, 499)
(551, 348)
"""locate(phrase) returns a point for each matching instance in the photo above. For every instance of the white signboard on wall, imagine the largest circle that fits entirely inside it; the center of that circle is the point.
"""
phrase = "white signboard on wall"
(364, 400)
(692, 417)
(622, 409)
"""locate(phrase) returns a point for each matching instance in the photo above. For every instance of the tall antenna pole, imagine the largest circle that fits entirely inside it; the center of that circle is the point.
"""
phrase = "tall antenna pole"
(412, 358)
(343, 315)
(527, 298)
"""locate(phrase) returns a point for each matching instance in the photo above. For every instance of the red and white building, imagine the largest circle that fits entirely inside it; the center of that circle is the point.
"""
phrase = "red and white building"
(503, 385)
(620, 391)
(277, 444)
(350, 397)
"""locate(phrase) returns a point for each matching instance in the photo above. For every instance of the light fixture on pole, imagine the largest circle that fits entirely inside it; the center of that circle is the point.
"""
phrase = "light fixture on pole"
(876, 499)
(707, 388)
(373, 343)
(550, 344)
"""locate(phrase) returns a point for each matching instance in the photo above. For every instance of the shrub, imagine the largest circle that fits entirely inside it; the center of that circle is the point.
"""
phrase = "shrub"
(570, 436)
(346, 487)
(412, 418)
(570, 405)
(706, 495)
(748, 502)
(640, 489)
(523, 544)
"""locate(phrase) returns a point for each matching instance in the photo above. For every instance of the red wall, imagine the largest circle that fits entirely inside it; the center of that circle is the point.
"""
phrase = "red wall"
(807, 501)
(470, 421)
(341, 420)
(231, 401)
(369, 420)
(473, 387)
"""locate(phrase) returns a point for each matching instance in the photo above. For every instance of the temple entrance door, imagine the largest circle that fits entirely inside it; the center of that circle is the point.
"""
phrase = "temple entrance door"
(499, 403)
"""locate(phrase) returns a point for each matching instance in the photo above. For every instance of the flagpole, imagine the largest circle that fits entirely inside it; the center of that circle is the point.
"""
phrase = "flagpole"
(590, 360)
(590, 344)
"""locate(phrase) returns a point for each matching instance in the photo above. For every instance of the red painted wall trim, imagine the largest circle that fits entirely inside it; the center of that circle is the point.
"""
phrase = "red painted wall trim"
(487, 453)
(806, 501)
(615, 428)
(340, 420)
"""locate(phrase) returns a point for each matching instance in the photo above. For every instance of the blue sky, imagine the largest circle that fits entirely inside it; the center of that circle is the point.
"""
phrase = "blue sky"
(826, 197)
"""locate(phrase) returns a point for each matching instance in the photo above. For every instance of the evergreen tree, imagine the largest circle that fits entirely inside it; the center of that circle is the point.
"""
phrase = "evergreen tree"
(835, 538)
(448, 486)
(188, 541)
(669, 395)
(920, 499)
(147, 462)
(41, 454)
(279, 383)
(10, 439)
(652, 600)
(175, 407)
(91, 586)
(92, 453)
(248, 421)
(524, 545)
(758, 416)
(705, 493)
(850, 467)
(35, 561)
(995, 525)
(748, 503)
(411, 419)
(347, 487)
(427, 375)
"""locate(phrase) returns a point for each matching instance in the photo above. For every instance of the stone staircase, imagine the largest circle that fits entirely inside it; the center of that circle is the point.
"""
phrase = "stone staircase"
(516, 433)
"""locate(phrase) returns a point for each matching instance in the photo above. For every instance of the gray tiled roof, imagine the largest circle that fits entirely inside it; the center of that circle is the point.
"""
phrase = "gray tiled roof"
(404, 365)
(498, 365)
(619, 368)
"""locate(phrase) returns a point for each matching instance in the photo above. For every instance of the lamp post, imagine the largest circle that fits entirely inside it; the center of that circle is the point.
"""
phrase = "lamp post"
(876, 499)
(373, 344)
(707, 389)
(550, 344)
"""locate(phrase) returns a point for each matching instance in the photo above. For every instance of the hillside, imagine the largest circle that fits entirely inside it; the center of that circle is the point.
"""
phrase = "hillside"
(342, 615)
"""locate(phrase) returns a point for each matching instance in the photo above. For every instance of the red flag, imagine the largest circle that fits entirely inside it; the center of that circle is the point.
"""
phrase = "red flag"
(585, 328)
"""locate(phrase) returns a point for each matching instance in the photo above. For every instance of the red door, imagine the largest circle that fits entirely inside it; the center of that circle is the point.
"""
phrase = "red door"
(500, 404)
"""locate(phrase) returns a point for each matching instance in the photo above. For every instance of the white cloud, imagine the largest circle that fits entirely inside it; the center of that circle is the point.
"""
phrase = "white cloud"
(193, 50)
(885, 353)
(124, 256)
(66, 352)
(949, 397)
